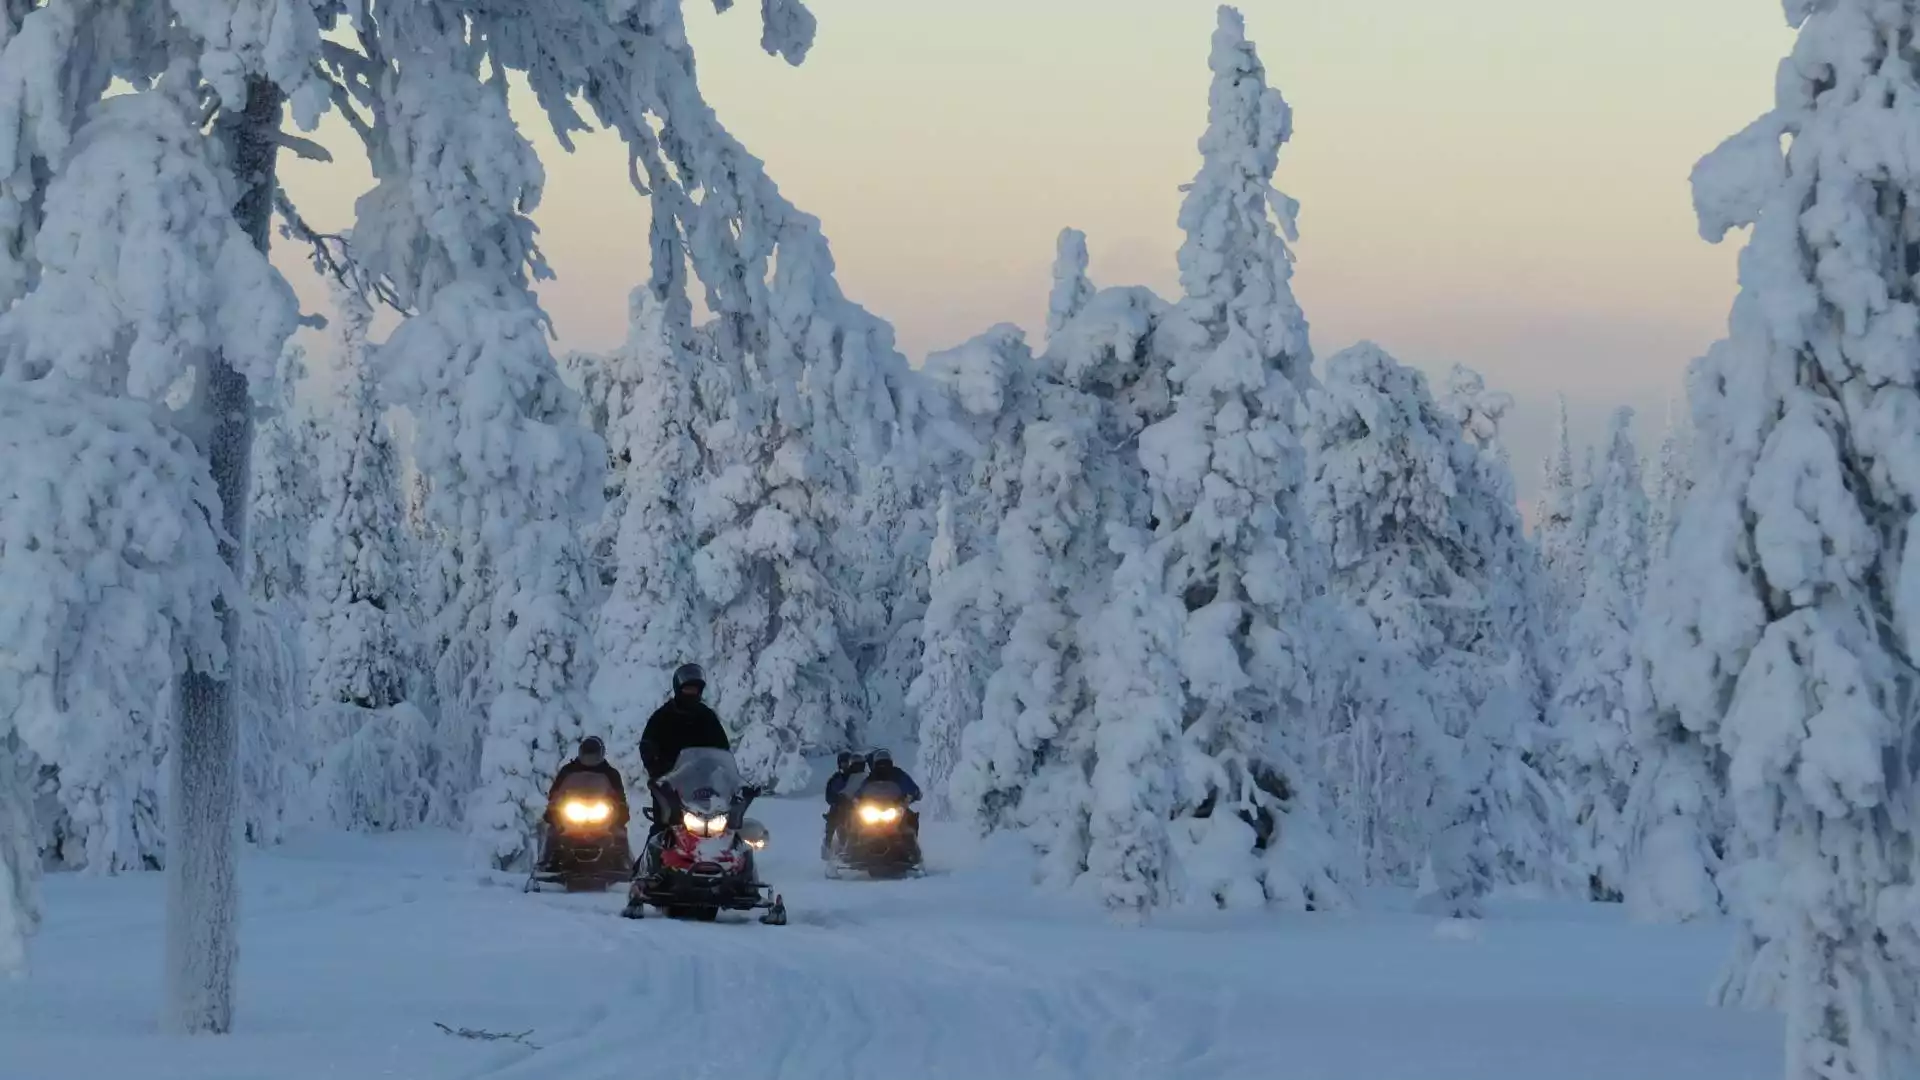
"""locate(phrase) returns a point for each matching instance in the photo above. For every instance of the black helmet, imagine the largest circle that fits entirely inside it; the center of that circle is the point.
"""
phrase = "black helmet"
(688, 675)
(592, 750)
(882, 756)
(846, 759)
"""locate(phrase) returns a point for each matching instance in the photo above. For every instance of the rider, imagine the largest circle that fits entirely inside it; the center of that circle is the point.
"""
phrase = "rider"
(882, 770)
(683, 723)
(848, 766)
(592, 758)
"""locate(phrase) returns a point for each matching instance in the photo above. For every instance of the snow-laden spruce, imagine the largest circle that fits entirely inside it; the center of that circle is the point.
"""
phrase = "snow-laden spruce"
(652, 621)
(95, 331)
(1022, 764)
(1428, 742)
(1591, 703)
(1142, 767)
(1071, 288)
(1224, 470)
(513, 469)
(110, 341)
(1784, 626)
(374, 743)
(1672, 479)
(276, 739)
(945, 694)
(284, 496)
(992, 380)
(1382, 497)
(1556, 533)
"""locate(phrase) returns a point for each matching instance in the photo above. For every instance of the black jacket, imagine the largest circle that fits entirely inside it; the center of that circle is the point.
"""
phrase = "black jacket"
(605, 768)
(679, 725)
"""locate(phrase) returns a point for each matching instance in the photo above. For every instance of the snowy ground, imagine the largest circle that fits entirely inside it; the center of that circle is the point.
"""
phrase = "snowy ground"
(355, 947)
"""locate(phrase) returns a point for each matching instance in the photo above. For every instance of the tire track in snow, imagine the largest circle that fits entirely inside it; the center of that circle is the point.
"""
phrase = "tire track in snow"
(742, 1002)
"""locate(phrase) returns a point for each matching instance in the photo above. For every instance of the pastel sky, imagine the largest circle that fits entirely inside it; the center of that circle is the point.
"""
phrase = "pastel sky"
(1501, 183)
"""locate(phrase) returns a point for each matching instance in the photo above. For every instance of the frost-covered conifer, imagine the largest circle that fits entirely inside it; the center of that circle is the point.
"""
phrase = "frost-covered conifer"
(373, 742)
(1556, 533)
(1224, 470)
(1138, 712)
(1783, 627)
(1590, 707)
(652, 620)
(1672, 479)
(514, 473)
(945, 695)
(1071, 289)
(104, 343)
(1022, 764)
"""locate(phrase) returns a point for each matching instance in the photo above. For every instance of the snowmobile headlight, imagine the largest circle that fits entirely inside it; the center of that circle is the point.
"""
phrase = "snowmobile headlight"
(700, 826)
(758, 843)
(582, 813)
(879, 815)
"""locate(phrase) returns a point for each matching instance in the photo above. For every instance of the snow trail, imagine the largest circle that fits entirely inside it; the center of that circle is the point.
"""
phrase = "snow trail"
(357, 946)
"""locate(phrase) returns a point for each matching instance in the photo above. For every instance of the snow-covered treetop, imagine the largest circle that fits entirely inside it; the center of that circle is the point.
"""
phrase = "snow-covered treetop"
(144, 273)
(1071, 289)
(1233, 264)
(1110, 349)
(1382, 472)
(1477, 409)
(979, 371)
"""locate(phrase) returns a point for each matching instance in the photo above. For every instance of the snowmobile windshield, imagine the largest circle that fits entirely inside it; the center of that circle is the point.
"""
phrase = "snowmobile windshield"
(884, 791)
(706, 780)
(585, 785)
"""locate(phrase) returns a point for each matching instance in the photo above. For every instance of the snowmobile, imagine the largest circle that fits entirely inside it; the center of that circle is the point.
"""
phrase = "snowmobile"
(881, 837)
(589, 848)
(702, 863)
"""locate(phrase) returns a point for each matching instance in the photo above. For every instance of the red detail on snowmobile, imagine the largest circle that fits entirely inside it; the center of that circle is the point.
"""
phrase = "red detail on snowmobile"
(684, 854)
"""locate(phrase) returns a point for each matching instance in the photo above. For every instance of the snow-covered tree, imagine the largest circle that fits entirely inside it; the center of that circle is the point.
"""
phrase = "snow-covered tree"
(653, 619)
(1071, 289)
(1224, 470)
(1590, 708)
(1138, 713)
(497, 431)
(1386, 479)
(1477, 408)
(284, 493)
(1508, 688)
(374, 743)
(882, 549)
(602, 400)
(1556, 533)
(784, 681)
(1671, 481)
(945, 695)
(105, 343)
(1022, 764)
(276, 740)
(991, 378)
(1781, 629)
(1428, 738)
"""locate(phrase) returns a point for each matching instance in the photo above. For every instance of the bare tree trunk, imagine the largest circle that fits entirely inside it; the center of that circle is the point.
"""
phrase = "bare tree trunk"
(202, 948)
